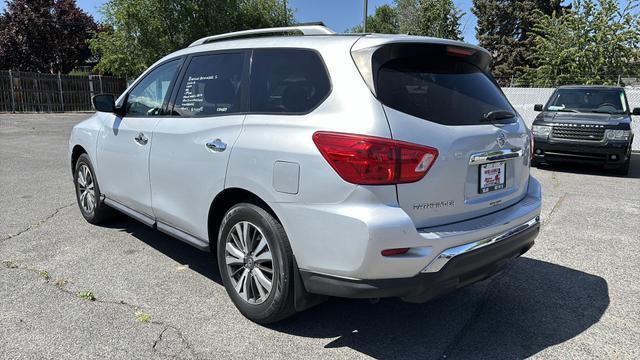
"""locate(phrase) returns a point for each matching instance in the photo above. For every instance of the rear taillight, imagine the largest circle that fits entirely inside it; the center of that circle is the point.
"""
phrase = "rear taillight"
(369, 160)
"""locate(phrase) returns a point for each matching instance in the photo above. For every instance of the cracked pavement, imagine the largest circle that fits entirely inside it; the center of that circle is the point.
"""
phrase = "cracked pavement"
(575, 294)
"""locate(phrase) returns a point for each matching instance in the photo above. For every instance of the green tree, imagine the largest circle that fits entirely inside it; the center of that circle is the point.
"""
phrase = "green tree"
(44, 35)
(505, 29)
(437, 18)
(139, 32)
(591, 43)
(384, 21)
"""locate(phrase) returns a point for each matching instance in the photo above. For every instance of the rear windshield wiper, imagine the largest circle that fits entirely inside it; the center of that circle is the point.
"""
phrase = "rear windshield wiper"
(497, 115)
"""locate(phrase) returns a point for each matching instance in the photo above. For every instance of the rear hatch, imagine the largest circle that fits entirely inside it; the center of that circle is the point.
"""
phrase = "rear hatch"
(439, 95)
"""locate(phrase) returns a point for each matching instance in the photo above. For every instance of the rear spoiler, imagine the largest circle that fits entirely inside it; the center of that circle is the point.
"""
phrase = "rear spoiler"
(370, 52)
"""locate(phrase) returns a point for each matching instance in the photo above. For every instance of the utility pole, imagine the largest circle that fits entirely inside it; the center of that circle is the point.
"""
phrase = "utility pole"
(364, 21)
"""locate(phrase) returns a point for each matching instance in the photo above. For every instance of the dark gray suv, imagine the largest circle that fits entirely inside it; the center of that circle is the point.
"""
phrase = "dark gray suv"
(589, 124)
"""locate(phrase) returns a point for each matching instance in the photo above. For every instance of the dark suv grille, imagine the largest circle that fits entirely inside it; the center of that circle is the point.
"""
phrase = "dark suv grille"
(578, 132)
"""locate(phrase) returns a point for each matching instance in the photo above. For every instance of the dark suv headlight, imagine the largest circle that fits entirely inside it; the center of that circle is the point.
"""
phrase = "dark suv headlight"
(541, 131)
(618, 134)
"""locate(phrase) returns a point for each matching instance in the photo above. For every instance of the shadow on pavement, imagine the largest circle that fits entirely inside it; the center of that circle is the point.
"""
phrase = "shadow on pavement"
(529, 307)
(202, 262)
(590, 169)
(523, 311)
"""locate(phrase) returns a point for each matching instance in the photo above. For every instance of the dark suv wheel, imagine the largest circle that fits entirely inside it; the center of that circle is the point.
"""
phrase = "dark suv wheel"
(623, 170)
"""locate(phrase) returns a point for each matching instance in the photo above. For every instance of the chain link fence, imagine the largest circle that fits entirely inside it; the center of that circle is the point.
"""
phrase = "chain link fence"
(523, 100)
(36, 92)
(614, 80)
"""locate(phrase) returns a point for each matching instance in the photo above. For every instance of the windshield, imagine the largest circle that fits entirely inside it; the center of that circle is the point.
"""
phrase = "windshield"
(444, 90)
(606, 101)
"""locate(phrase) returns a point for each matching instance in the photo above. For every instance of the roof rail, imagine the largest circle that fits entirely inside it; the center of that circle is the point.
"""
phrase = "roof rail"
(301, 29)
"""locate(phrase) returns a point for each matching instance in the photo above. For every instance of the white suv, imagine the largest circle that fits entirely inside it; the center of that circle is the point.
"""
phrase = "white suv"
(317, 165)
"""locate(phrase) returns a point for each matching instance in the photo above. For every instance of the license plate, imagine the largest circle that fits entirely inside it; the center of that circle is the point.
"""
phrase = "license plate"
(492, 177)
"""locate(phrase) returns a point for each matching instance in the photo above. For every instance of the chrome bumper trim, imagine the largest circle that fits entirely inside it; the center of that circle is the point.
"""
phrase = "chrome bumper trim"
(441, 260)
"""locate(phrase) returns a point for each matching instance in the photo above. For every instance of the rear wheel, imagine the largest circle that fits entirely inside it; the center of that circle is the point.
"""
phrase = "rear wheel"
(88, 192)
(256, 263)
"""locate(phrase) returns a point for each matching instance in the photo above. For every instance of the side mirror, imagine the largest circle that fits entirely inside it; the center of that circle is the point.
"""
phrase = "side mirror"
(636, 111)
(104, 103)
(538, 107)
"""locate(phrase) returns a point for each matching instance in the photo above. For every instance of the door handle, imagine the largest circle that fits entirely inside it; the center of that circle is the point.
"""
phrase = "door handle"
(216, 145)
(141, 139)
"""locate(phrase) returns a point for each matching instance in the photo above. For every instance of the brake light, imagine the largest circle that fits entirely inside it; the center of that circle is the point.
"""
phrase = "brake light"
(459, 52)
(369, 160)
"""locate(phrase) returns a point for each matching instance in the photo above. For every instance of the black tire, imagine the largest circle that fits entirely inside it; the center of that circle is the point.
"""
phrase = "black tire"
(278, 303)
(624, 169)
(99, 212)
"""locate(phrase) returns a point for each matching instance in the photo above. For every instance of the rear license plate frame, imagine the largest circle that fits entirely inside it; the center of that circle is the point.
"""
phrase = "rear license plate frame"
(483, 188)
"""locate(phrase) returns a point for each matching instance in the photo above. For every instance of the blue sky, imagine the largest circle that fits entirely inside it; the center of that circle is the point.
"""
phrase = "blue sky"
(337, 14)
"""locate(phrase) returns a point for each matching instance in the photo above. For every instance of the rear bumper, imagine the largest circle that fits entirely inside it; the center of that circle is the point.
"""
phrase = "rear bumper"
(586, 152)
(444, 258)
(461, 268)
(350, 248)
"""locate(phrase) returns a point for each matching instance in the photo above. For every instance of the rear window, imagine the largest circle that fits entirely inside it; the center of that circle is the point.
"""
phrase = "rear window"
(441, 89)
(287, 81)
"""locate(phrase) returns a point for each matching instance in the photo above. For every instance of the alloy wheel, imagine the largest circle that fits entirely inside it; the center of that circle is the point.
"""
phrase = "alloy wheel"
(249, 262)
(86, 189)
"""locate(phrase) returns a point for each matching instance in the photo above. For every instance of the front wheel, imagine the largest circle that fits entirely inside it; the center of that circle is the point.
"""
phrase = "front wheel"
(88, 192)
(256, 263)
(623, 170)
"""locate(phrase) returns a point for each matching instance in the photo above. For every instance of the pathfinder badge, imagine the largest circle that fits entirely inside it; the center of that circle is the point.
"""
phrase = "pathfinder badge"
(434, 205)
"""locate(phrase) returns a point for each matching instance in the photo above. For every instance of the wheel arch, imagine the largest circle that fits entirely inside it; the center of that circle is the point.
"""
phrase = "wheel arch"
(223, 202)
(75, 154)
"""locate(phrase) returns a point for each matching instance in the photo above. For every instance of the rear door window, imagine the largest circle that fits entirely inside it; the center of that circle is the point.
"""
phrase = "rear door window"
(290, 81)
(440, 89)
(211, 86)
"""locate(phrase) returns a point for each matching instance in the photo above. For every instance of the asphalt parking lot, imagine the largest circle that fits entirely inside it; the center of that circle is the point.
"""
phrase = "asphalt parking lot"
(574, 295)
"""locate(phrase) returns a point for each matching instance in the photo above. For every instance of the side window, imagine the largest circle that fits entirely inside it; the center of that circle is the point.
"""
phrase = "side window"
(211, 86)
(287, 81)
(147, 97)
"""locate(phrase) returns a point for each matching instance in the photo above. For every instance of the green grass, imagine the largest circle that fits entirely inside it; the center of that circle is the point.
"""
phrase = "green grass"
(143, 316)
(86, 295)
(9, 264)
(44, 274)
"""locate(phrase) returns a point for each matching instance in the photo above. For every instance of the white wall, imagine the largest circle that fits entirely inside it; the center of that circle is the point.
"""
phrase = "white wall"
(523, 100)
